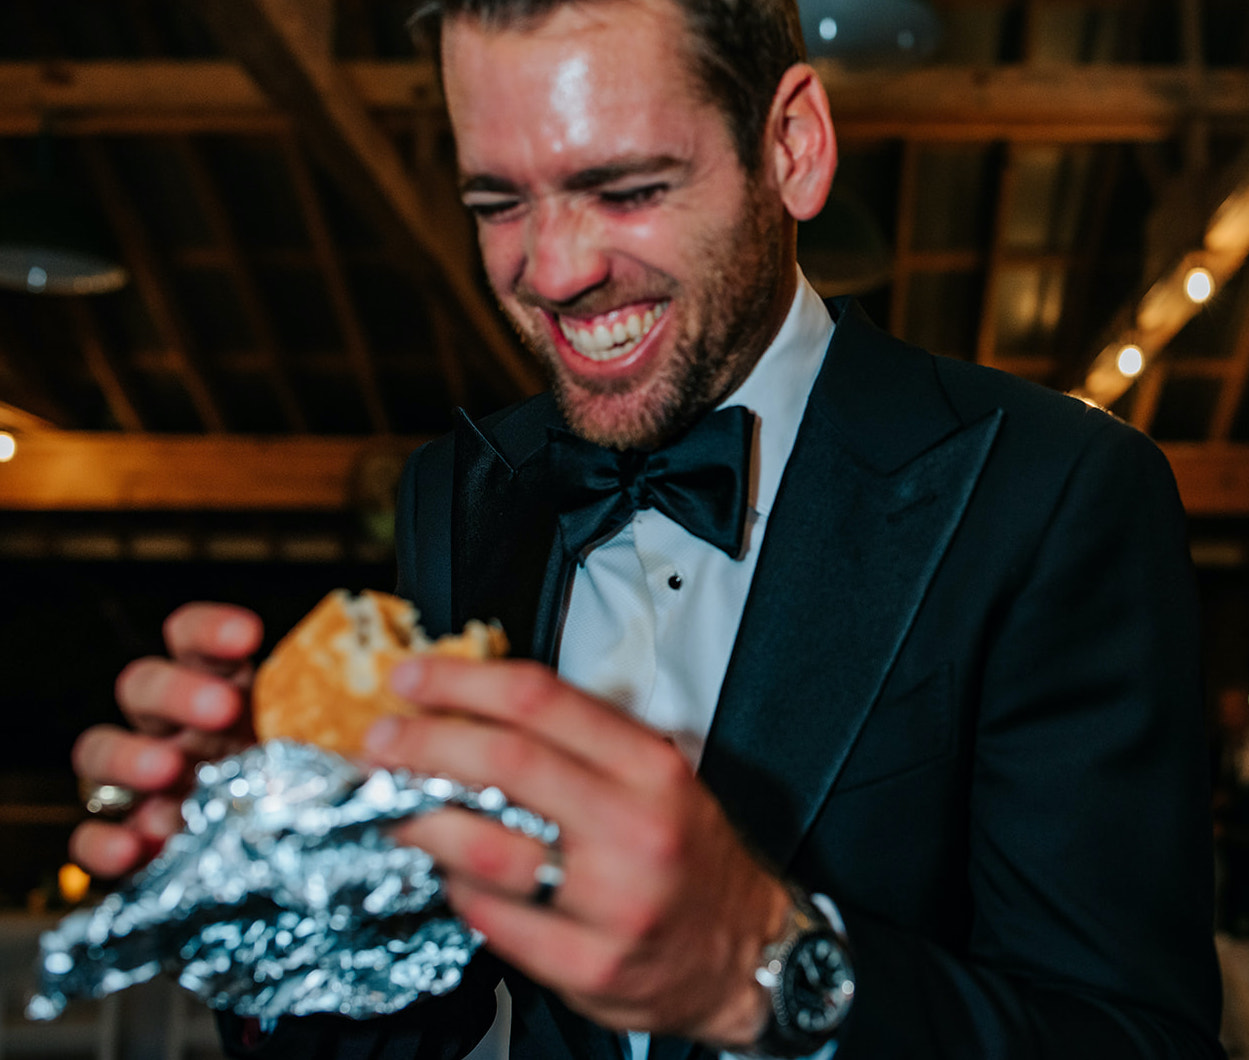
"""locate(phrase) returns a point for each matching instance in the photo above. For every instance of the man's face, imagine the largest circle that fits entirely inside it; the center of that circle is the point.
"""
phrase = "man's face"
(619, 230)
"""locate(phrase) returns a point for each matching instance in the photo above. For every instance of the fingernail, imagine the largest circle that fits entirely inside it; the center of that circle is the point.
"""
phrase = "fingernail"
(234, 634)
(210, 704)
(383, 733)
(406, 677)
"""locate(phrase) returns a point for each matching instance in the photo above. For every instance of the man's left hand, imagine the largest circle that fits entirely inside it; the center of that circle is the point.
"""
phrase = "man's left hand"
(662, 914)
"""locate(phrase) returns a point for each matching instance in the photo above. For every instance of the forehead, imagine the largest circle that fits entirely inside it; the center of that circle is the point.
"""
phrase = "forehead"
(579, 77)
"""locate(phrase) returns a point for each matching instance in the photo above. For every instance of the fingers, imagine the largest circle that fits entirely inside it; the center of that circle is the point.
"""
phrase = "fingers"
(553, 950)
(531, 697)
(113, 755)
(107, 850)
(213, 635)
(158, 696)
(115, 849)
(478, 849)
(529, 771)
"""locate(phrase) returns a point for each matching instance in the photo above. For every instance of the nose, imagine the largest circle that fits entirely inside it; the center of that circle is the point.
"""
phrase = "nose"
(564, 255)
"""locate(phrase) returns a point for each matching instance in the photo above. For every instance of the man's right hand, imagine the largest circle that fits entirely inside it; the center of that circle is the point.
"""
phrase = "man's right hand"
(186, 709)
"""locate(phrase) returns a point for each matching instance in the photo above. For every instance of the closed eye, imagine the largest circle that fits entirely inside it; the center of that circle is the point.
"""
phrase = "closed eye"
(490, 208)
(633, 198)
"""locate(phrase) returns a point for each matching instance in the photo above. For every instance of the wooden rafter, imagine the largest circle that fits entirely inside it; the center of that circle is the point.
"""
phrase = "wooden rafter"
(14, 419)
(1062, 104)
(31, 393)
(1213, 479)
(271, 39)
(221, 225)
(85, 471)
(1149, 396)
(448, 352)
(148, 277)
(333, 276)
(1232, 391)
(100, 364)
(1152, 320)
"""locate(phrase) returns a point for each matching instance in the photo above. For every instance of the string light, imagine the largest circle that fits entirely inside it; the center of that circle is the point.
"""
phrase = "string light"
(1199, 285)
(1131, 361)
(8, 446)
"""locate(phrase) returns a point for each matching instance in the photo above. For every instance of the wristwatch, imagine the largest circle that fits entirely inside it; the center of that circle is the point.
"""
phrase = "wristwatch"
(810, 980)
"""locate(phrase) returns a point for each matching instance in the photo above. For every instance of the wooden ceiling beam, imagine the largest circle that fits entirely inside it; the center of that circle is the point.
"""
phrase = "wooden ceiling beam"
(273, 42)
(1155, 317)
(1050, 103)
(221, 225)
(1213, 478)
(100, 364)
(24, 377)
(1232, 392)
(87, 471)
(13, 418)
(329, 262)
(140, 258)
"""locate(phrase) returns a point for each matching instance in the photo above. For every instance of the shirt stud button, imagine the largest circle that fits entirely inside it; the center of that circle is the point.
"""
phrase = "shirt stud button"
(674, 581)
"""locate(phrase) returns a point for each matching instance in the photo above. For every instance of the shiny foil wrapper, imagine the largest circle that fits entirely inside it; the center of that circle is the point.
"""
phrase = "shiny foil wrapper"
(283, 895)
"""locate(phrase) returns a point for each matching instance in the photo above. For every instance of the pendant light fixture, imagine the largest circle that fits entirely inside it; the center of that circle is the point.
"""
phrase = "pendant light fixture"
(52, 240)
(869, 31)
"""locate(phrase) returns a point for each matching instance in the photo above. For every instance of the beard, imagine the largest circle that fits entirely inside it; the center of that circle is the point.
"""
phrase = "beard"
(728, 313)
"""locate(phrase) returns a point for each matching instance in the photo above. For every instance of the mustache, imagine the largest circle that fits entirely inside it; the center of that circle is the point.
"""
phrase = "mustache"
(595, 300)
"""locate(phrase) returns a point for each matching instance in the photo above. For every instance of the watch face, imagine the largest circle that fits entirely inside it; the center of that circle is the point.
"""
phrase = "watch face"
(819, 983)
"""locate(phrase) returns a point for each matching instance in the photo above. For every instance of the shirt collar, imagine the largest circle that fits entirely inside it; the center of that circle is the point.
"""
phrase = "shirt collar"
(776, 391)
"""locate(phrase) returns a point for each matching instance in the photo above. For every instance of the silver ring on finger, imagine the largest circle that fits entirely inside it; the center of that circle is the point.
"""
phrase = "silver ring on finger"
(548, 877)
(107, 800)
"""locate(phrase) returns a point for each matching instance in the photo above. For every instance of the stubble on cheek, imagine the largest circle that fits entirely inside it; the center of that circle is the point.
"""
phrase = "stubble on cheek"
(720, 325)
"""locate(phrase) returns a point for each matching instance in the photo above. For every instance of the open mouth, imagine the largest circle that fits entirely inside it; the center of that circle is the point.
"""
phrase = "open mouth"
(611, 335)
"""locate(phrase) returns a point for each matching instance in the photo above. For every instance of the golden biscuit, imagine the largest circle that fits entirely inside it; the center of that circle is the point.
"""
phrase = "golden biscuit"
(327, 681)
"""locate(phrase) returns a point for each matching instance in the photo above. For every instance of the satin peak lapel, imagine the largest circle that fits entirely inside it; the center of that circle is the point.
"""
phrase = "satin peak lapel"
(849, 554)
(502, 529)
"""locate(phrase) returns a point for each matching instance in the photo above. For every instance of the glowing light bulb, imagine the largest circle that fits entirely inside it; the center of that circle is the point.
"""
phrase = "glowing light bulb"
(73, 883)
(1199, 285)
(1131, 361)
(828, 28)
(8, 446)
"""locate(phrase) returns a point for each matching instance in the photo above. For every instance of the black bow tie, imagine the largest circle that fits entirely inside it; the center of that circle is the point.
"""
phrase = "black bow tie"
(700, 481)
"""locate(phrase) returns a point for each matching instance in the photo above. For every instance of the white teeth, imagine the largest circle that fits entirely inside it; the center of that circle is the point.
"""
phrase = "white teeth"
(605, 344)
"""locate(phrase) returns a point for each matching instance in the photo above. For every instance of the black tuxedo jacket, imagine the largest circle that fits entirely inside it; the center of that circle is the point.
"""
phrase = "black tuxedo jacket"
(963, 702)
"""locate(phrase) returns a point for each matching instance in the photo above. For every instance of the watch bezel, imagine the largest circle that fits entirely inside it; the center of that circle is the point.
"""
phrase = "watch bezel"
(837, 1004)
(784, 1036)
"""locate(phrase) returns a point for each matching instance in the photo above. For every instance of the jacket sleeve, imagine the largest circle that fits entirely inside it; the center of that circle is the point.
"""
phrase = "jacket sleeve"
(1089, 863)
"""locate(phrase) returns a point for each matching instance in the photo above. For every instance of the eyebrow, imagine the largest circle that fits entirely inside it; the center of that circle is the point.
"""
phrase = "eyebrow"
(582, 180)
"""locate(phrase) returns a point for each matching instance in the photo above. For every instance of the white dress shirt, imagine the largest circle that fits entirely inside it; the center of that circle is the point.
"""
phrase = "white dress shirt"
(654, 610)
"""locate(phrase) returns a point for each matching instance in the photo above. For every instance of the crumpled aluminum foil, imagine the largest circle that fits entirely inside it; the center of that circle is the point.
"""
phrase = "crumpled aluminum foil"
(283, 895)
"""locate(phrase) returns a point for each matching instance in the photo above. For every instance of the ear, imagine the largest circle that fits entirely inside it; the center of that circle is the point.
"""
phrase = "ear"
(801, 147)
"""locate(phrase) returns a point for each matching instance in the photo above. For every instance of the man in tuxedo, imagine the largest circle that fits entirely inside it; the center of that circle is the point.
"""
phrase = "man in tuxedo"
(863, 684)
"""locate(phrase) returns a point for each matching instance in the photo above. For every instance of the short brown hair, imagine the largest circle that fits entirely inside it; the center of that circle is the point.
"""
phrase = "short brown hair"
(740, 49)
